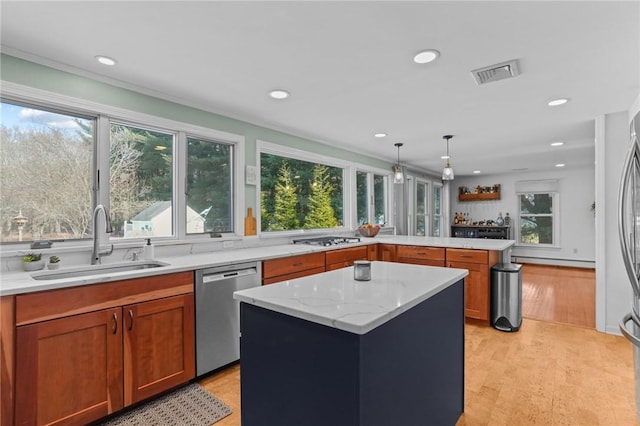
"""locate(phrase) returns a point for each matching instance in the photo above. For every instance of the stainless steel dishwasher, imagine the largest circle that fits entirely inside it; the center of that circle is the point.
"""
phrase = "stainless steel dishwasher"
(218, 314)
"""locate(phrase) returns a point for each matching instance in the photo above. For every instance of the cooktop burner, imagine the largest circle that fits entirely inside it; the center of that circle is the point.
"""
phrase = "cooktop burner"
(326, 241)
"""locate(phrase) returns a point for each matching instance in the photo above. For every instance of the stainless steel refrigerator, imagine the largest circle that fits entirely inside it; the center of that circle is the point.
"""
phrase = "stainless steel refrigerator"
(629, 231)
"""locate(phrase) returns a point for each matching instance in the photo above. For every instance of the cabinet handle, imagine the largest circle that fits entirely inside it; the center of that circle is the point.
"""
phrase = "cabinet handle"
(114, 327)
(466, 256)
(131, 318)
(297, 264)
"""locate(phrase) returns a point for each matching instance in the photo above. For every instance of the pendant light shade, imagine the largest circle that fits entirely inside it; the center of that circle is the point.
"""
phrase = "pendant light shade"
(447, 173)
(398, 175)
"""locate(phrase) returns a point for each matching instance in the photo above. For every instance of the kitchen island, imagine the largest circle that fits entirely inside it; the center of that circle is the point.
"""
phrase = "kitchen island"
(326, 349)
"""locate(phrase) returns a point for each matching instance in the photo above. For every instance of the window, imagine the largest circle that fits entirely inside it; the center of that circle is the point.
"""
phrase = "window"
(141, 182)
(537, 222)
(371, 186)
(422, 208)
(299, 194)
(209, 186)
(436, 227)
(46, 161)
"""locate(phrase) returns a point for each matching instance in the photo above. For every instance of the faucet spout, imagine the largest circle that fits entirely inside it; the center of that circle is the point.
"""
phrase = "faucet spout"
(96, 253)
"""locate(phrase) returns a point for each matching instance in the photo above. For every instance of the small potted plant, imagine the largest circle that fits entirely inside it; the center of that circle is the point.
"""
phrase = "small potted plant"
(32, 262)
(54, 262)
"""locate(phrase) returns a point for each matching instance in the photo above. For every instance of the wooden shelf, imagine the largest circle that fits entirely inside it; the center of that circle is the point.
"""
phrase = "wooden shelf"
(481, 193)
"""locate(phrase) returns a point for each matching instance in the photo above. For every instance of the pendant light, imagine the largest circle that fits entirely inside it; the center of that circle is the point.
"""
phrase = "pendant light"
(398, 176)
(447, 173)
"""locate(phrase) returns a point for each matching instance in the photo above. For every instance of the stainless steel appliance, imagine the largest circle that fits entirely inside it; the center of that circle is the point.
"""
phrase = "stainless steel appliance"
(629, 232)
(218, 314)
(326, 241)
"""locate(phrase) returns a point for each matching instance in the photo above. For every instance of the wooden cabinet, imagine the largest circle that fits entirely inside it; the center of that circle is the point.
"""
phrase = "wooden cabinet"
(288, 268)
(372, 252)
(85, 352)
(477, 283)
(342, 258)
(479, 193)
(387, 252)
(420, 255)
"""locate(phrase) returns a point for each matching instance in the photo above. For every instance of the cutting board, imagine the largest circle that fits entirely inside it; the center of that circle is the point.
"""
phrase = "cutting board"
(249, 223)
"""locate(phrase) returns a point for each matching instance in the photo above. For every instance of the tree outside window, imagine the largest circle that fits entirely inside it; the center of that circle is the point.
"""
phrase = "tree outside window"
(298, 194)
(536, 218)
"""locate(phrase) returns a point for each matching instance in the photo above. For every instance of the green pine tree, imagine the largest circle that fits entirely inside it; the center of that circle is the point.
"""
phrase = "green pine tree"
(320, 213)
(286, 200)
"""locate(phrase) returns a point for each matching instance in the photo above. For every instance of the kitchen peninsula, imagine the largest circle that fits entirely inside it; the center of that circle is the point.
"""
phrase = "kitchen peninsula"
(327, 349)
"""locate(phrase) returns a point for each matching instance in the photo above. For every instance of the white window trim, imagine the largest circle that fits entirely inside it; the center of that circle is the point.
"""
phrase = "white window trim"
(105, 114)
(555, 217)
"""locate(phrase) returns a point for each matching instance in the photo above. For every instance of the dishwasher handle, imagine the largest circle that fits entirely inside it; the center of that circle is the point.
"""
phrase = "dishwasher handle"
(228, 275)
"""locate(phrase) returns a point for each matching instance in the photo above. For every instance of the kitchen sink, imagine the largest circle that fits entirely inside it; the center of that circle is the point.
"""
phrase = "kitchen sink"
(83, 271)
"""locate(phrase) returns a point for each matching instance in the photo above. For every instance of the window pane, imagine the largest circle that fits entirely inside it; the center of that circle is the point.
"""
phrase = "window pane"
(378, 200)
(437, 191)
(421, 202)
(141, 177)
(421, 225)
(536, 203)
(46, 178)
(536, 229)
(209, 186)
(361, 197)
(436, 226)
(298, 194)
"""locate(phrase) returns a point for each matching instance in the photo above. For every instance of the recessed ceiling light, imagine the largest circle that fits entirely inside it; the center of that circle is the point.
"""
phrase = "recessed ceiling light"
(476, 172)
(380, 135)
(105, 60)
(560, 165)
(426, 56)
(557, 102)
(279, 94)
(557, 143)
(444, 157)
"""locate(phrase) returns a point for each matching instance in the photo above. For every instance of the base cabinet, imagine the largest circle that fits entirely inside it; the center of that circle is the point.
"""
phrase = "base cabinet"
(288, 268)
(82, 364)
(421, 255)
(343, 258)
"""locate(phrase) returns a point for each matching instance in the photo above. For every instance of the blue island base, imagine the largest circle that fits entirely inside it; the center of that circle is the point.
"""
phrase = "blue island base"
(408, 371)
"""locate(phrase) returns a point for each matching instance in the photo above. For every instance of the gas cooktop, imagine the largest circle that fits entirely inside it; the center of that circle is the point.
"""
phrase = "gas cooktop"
(326, 241)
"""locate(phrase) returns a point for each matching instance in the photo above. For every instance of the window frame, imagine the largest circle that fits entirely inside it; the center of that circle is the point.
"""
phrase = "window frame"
(371, 173)
(104, 115)
(434, 185)
(428, 206)
(554, 215)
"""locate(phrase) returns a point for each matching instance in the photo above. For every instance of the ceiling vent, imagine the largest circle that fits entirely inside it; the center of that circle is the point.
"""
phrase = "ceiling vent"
(496, 72)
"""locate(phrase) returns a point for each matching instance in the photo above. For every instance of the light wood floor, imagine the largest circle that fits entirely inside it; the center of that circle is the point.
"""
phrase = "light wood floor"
(548, 373)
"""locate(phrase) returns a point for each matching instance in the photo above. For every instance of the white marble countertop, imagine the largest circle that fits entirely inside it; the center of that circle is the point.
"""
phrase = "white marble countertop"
(18, 282)
(336, 300)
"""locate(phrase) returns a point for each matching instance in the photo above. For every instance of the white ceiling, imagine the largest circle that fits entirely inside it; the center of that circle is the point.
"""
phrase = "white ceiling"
(349, 68)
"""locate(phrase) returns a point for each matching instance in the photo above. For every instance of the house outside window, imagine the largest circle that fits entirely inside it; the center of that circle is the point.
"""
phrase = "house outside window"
(537, 218)
(46, 159)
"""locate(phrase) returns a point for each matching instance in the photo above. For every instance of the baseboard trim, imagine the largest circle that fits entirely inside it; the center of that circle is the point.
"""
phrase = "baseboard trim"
(588, 264)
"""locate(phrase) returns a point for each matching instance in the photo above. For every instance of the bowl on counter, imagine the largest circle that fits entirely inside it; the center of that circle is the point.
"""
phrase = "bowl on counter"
(368, 232)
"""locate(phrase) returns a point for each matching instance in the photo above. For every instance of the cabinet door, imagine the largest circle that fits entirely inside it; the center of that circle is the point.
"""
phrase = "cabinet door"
(387, 252)
(476, 286)
(69, 370)
(159, 341)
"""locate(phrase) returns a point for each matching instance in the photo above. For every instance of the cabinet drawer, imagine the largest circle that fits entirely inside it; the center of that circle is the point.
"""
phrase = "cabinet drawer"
(293, 275)
(420, 252)
(288, 265)
(346, 255)
(468, 256)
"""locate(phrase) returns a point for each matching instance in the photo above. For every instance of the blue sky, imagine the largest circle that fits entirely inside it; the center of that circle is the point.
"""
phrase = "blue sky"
(29, 118)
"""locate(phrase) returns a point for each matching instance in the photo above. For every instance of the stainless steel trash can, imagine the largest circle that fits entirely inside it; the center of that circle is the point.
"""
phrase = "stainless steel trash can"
(506, 296)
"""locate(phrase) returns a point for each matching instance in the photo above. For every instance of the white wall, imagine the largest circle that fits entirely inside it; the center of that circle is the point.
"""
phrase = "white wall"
(577, 222)
(613, 291)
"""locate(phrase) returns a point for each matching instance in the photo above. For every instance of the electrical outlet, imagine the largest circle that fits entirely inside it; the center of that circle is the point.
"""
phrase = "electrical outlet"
(227, 244)
(575, 251)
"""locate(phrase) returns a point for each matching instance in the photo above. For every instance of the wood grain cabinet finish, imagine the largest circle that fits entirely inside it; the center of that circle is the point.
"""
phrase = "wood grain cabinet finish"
(79, 363)
(420, 255)
(478, 282)
(343, 258)
(288, 268)
(387, 252)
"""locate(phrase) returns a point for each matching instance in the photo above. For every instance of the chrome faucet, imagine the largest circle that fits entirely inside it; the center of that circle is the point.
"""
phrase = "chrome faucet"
(96, 253)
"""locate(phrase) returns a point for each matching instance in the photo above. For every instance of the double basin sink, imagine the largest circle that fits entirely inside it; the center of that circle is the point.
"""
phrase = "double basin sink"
(90, 270)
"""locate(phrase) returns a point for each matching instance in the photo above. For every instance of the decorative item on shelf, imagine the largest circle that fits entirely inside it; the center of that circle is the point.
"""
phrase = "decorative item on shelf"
(479, 193)
(447, 173)
(398, 175)
(500, 220)
(32, 262)
(368, 230)
(54, 262)
(507, 219)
